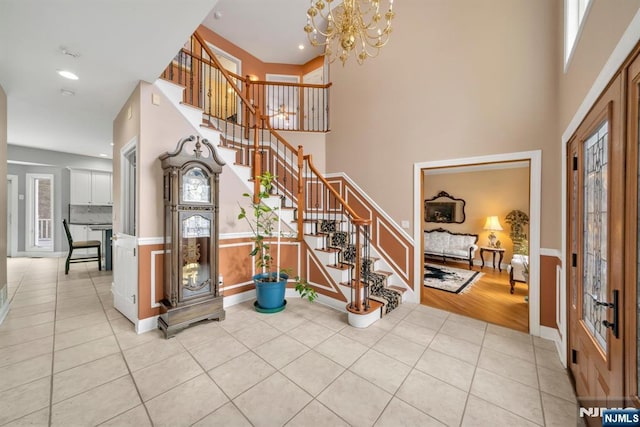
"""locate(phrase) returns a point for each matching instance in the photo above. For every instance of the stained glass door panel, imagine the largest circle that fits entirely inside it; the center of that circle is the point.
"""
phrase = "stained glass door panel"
(594, 242)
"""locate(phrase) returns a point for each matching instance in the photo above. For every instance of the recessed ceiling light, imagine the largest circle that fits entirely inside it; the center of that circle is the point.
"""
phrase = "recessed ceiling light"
(111, 144)
(67, 92)
(301, 46)
(104, 155)
(67, 74)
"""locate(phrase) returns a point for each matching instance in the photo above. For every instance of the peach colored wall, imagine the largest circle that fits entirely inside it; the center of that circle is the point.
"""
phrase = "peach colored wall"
(457, 79)
(548, 290)
(3, 196)
(486, 193)
(252, 65)
(161, 128)
(314, 143)
(592, 51)
(125, 128)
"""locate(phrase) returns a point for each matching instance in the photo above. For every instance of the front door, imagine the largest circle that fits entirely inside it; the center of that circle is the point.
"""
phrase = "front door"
(596, 209)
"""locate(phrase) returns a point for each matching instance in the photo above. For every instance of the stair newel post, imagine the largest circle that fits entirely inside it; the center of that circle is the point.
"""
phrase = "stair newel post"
(357, 282)
(247, 88)
(301, 197)
(257, 159)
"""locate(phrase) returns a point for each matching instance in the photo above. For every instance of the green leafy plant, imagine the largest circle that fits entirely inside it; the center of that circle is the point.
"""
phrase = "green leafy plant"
(262, 225)
(263, 222)
(305, 290)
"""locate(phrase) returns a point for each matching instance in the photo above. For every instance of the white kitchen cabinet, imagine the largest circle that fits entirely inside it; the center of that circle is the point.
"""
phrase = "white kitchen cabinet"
(90, 187)
(100, 188)
(80, 187)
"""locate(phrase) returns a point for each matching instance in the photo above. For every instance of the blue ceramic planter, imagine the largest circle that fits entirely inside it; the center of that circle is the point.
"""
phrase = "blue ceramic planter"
(270, 294)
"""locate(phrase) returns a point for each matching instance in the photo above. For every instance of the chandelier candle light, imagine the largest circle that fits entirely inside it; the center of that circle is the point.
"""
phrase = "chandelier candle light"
(353, 26)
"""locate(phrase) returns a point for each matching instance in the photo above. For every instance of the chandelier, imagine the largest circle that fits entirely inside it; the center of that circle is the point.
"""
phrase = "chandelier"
(354, 26)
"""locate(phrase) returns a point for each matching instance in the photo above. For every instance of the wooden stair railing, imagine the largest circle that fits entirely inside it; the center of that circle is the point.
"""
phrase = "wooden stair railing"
(239, 109)
(326, 204)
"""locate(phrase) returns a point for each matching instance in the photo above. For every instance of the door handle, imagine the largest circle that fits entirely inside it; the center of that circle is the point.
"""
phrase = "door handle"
(614, 326)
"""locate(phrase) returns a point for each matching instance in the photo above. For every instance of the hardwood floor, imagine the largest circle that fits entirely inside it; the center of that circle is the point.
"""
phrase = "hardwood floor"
(488, 299)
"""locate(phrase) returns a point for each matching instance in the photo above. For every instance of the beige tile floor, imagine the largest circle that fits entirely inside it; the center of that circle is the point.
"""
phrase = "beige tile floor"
(67, 358)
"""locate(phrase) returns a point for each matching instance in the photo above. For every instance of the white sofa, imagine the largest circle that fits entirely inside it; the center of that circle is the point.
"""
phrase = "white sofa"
(445, 244)
(518, 270)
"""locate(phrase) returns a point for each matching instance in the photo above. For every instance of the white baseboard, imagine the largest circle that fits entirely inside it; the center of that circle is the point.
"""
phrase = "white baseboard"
(4, 310)
(146, 325)
(25, 254)
(554, 335)
(289, 293)
(239, 298)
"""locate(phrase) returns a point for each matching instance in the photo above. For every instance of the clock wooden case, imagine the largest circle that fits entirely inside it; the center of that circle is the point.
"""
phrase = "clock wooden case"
(191, 288)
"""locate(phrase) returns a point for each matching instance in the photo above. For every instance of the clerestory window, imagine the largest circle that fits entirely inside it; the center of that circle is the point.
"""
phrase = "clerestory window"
(574, 13)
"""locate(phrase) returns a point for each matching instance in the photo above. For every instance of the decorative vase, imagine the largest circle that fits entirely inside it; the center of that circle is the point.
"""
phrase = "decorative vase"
(270, 295)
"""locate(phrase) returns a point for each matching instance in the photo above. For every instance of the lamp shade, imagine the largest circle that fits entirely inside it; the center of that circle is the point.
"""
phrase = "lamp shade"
(492, 224)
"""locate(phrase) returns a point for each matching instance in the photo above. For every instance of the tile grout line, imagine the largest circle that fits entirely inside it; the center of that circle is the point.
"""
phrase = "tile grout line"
(394, 395)
(124, 359)
(214, 381)
(53, 348)
(473, 377)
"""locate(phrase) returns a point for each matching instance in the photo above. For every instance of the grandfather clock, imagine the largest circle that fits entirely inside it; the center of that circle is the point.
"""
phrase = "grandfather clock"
(191, 292)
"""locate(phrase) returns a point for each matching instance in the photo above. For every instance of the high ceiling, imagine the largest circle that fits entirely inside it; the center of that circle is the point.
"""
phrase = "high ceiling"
(270, 30)
(119, 43)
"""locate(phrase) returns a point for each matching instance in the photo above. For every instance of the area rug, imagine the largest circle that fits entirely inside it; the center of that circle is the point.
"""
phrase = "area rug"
(449, 279)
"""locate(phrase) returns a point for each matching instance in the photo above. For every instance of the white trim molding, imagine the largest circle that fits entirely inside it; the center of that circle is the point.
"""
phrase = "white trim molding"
(147, 324)
(145, 241)
(154, 304)
(375, 206)
(551, 252)
(535, 192)
(622, 50)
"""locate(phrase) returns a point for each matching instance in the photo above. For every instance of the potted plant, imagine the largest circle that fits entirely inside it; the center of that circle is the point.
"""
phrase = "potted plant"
(270, 283)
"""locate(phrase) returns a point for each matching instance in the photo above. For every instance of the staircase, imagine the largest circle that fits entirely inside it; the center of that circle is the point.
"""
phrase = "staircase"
(316, 213)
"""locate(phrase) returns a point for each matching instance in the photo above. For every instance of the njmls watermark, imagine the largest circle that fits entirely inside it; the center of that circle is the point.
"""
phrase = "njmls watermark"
(613, 417)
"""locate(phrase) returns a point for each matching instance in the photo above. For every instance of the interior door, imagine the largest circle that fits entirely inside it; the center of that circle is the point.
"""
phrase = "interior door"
(596, 253)
(125, 276)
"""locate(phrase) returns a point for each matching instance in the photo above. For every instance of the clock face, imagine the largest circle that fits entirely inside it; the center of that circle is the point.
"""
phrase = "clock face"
(195, 186)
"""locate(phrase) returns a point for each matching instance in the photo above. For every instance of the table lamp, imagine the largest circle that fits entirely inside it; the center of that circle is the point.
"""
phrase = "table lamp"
(492, 224)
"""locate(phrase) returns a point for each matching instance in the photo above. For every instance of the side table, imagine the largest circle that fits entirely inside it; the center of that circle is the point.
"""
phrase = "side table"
(494, 251)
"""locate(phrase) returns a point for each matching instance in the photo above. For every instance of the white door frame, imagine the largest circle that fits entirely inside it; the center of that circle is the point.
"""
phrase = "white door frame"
(125, 248)
(12, 199)
(535, 185)
(12, 243)
(217, 51)
(125, 208)
(28, 243)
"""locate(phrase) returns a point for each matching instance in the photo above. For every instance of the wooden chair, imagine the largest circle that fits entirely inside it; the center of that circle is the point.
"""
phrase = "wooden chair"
(88, 244)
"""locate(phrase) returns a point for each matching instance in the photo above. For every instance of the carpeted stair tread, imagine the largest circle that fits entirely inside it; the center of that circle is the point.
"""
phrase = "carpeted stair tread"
(383, 272)
(400, 289)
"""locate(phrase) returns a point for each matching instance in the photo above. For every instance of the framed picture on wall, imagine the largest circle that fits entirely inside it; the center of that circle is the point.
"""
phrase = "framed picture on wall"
(444, 208)
(440, 211)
